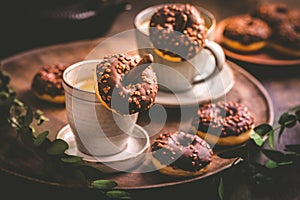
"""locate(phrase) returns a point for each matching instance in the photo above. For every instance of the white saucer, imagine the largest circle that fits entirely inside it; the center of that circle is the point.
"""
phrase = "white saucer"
(209, 90)
(132, 156)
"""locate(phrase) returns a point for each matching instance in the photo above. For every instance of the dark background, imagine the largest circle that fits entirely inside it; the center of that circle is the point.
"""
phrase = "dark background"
(31, 24)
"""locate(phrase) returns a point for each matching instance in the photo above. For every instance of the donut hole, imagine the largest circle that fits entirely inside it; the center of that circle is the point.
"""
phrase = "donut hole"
(297, 29)
(281, 10)
(250, 23)
(181, 22)
(220, 113)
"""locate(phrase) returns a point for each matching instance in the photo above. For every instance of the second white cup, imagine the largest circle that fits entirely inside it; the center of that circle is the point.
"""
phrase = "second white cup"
(181, 76)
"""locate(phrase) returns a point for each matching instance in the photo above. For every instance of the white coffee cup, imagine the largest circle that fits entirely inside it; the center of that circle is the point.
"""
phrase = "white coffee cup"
(181, 76)
(98, 131)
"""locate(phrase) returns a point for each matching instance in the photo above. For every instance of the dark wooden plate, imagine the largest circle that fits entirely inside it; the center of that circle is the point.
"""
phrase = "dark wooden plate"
(266, 56)
(22, 162)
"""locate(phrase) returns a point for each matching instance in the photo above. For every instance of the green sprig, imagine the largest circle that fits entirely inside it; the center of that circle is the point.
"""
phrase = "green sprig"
(277, 158)
(262, 173)
(22, 117)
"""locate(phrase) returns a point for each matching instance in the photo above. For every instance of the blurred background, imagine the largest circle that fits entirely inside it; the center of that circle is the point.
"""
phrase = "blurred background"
(34, 23)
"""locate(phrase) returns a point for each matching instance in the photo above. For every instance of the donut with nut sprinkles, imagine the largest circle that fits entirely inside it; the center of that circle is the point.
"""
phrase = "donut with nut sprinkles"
(178, 30)
(47, 83)
(181, 154)
(224, 123)
(246, 33)
(126, 83)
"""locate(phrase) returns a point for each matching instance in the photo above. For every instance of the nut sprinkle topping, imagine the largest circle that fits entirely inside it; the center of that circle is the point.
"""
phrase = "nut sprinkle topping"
(127, 84)
(178, 30)
(182, 150)
(223, 118)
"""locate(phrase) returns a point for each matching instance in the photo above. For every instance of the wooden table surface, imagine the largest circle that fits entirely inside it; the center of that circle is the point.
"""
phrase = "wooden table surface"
(282, 84)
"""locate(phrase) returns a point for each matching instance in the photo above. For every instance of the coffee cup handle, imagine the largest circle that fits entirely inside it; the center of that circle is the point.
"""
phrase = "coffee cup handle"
(219, 57)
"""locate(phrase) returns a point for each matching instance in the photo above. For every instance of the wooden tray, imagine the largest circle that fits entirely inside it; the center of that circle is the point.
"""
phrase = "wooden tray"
(20, 161)
(266, 56)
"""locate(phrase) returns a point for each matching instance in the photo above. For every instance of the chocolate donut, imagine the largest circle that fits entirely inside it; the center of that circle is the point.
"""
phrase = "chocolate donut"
(47, 83)
(275, 13)
(125, 83)
(245, 33)
(286, 38)
(181, 154)
(224, 123)
(177, 31)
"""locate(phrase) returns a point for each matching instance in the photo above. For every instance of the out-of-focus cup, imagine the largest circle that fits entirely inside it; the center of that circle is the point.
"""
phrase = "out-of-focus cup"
(142, 20)
(181, 76)
(98, 131)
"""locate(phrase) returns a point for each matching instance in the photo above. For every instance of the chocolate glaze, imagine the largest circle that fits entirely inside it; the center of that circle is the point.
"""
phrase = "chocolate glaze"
(182, 151)
(124, 95)
(49, 80)
(223, 119)
(287, 34)
(247, 30)
(178, 30)
(275, 13)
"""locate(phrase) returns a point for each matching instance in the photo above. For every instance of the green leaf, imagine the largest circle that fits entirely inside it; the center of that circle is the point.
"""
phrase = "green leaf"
(57, 147)
(12, 93)
(18, 103)
(4, 96)
(80, 176)
(274, 155)
(263, 129)
(283, 118)
(271, 139)
(296, 108)
(292, 121)
(221, 189)
(293, 148)
(118, 194)
(285, 163)
(37, 114)
(297, 113)
(103, 184)
(28, 117)
(257, 139)
(5, 79)
(287, 120)
(71, 159)
(271, 164)
(280, 133)
(26, 138)
(40, 138)
(41, 120)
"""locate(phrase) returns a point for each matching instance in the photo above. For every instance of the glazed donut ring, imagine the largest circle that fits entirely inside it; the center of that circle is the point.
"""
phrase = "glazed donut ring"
(177, 31)
(275, 13)
(245, 33)
(181, 154)
(126, 84)
(224, 123)
(47, 83)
